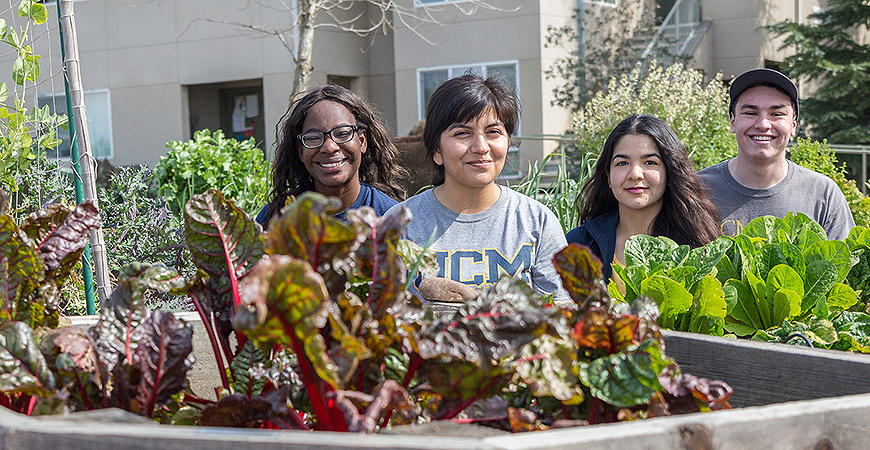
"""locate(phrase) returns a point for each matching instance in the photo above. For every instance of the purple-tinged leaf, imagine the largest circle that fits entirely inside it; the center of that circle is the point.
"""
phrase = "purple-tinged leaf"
(61, 235)
(224, 242)
(308, 231)
(283, 298)
(388, 397)
(547, 367)
(72, 356)
(119, 316)
(688, 394)
(495, 325)
(237, 410)
(377, 258)
(164, 356)
(22, 366)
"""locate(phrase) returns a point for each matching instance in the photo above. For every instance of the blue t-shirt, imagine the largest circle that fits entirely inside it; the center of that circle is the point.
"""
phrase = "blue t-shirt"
(368, 196)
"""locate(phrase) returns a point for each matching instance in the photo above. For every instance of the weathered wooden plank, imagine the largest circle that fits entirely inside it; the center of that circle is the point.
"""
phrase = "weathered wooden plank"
(763, 373)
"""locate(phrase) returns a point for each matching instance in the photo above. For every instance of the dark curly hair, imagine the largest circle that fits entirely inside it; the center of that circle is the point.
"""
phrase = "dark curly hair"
(687, 216)
(465, 98)
(378, 166)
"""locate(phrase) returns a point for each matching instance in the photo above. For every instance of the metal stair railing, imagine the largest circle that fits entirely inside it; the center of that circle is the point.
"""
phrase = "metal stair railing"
(674, 34)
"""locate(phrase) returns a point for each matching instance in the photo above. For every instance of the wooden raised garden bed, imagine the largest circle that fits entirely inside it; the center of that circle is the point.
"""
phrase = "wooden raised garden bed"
(787, 397)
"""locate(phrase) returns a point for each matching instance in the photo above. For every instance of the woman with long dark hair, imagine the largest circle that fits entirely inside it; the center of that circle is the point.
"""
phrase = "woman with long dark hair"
(332, 142)
(643, 183)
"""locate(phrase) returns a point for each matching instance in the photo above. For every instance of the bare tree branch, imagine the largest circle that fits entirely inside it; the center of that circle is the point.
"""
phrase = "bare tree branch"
(297, 34)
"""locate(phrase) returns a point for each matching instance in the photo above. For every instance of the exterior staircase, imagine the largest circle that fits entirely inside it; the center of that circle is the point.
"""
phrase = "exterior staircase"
(678, 36)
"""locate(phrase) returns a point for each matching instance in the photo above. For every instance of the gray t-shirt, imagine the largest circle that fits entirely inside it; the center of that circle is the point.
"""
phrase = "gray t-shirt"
(802, 190)
(517, 236)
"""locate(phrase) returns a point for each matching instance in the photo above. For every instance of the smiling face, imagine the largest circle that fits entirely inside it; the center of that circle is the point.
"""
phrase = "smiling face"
(763, 122)
(334, 167)
(638, 176)
(473, 153)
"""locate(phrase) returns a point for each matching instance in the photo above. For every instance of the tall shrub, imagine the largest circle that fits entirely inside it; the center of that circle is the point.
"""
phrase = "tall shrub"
(697, 112)
(210, 160)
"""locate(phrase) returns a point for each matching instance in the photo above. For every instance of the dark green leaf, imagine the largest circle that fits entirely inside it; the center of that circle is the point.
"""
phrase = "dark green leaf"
(628, 378)
(246, 363)
(224, 242)
(22, 366)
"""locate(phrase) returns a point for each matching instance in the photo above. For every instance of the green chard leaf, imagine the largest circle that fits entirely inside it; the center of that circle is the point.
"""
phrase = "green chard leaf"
(820, 278)
(308, 231)
(23, 368)
(224, 242)
(835, 252)
(246, 364)
(745, 311)
(628, 378)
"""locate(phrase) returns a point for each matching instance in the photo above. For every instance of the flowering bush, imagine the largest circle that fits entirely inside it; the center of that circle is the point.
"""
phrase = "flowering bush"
(698, 113)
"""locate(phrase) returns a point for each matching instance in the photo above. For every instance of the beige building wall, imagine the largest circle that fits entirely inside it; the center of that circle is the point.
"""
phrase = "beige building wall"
(735, 42)
(488, 37)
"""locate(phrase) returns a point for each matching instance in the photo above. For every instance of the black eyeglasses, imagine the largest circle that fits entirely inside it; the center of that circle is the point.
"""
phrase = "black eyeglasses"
(339, 135)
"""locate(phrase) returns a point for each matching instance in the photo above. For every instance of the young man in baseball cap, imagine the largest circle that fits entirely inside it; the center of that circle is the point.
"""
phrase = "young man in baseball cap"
(760, 180)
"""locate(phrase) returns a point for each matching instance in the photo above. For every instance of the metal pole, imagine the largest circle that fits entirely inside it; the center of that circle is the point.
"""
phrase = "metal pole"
(72, 64)
(77, 181)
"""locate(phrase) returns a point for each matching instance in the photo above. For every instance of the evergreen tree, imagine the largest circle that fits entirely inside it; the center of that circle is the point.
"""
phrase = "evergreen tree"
(828, 50)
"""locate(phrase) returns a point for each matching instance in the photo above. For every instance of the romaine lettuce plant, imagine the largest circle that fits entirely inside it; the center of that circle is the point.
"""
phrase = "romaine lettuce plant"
(779, 280)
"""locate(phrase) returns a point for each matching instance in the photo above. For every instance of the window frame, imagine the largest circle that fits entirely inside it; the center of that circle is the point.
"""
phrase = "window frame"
(421, 112)
(110, 135)
(610, 3)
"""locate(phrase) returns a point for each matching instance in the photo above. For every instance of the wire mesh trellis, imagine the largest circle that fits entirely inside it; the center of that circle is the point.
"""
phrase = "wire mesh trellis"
(35, 170)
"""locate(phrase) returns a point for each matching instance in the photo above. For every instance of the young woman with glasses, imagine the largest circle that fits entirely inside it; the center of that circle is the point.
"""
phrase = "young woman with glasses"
(480, 230)
(332, 142)
(643, 183)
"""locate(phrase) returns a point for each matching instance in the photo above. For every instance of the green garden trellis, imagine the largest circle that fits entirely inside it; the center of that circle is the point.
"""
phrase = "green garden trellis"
(85, 180)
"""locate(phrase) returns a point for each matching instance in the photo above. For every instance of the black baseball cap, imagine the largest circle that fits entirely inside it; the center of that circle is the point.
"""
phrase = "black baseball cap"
(756, 77)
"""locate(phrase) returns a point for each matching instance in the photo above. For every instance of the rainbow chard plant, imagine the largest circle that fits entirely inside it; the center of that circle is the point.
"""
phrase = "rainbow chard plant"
(312, 328)
(610, 365)
(131, 359)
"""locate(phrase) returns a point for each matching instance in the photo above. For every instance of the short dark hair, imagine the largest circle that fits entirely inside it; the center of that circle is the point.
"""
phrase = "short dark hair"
(378, 166)
(461, 99)
(687, 216)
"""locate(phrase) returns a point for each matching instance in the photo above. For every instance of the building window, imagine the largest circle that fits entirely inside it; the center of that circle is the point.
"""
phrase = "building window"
(429, 78)
(98, 107)
(603, 2)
